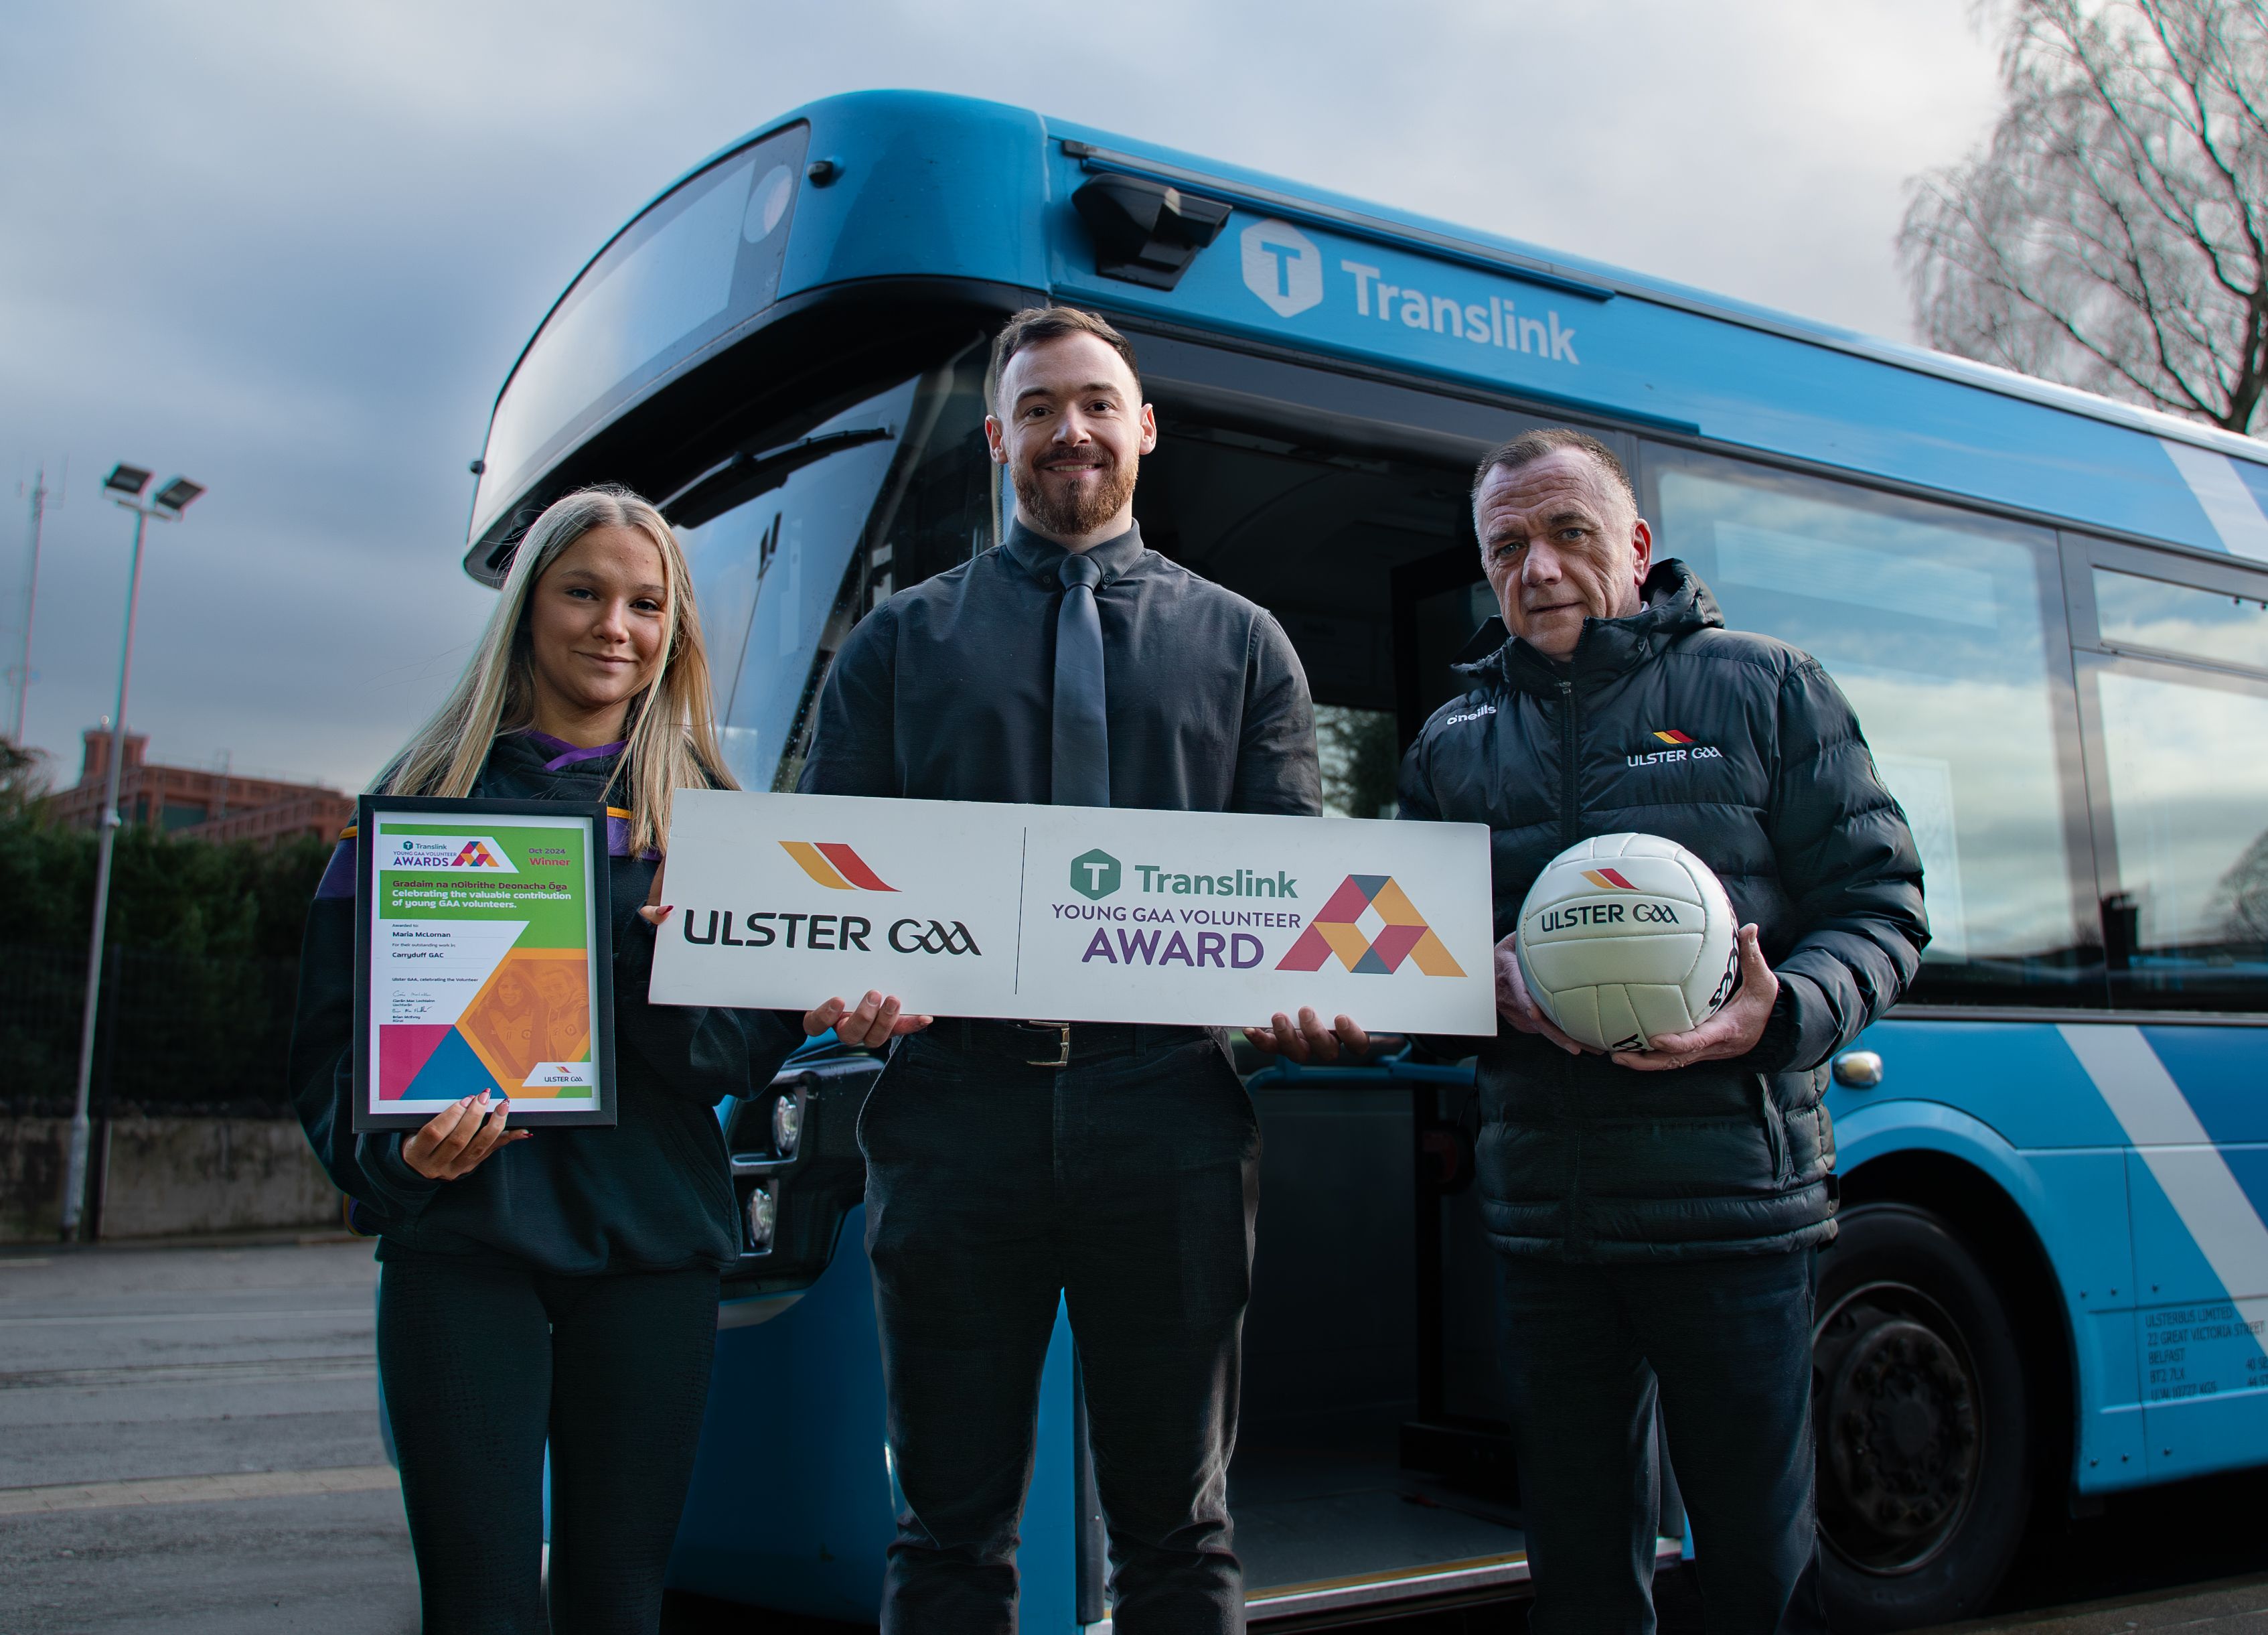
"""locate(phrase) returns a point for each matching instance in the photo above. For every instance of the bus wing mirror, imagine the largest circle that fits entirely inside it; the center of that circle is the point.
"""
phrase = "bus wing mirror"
(1146, 232)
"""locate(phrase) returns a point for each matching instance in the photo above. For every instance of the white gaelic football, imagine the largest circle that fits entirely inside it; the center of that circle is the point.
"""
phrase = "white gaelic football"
(1626, 937)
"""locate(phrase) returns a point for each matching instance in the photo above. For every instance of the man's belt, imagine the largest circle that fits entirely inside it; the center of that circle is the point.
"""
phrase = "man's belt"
(1054, 1045)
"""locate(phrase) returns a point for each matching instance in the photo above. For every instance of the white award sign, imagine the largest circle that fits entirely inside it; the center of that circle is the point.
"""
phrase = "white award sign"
(1076, 913)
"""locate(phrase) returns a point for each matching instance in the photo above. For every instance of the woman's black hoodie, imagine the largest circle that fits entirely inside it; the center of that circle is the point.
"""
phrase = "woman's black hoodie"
(650, 1193)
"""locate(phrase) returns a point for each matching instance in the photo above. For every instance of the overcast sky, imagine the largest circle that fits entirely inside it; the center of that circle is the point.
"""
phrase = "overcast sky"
(291, 250)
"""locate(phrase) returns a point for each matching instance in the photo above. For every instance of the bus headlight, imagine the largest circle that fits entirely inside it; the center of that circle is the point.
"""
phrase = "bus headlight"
(787, 1125)
(764, 1216)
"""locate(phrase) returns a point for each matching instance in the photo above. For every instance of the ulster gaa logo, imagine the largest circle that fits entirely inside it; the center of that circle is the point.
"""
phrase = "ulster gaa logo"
(834, 866)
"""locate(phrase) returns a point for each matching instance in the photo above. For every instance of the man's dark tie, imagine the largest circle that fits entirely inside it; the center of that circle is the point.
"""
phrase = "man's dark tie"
(1082, 736)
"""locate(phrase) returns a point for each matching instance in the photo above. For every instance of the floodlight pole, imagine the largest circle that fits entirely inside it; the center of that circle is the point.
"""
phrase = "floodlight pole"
(75, 1170)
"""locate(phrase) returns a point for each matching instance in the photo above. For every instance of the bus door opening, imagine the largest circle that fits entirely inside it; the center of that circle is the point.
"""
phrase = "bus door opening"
(1372, 1446)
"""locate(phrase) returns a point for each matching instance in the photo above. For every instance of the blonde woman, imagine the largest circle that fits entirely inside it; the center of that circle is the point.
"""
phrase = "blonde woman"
(559, 1286)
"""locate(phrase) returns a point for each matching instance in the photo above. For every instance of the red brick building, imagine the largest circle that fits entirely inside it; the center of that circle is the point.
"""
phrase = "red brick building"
(192, 804)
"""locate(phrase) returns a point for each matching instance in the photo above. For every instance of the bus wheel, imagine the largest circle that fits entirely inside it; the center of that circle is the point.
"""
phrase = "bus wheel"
(1919, 1411)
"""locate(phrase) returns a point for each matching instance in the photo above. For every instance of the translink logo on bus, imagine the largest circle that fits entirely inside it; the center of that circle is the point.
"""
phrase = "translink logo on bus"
(1283, 266)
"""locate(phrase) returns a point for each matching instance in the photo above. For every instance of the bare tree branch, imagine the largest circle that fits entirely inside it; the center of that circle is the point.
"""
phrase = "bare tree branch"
(2113, 231)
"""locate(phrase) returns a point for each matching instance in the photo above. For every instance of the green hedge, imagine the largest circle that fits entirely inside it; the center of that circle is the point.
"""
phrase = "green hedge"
(197, 994)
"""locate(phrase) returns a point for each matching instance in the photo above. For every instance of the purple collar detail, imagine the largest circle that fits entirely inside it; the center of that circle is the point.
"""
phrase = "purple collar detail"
(564, 754)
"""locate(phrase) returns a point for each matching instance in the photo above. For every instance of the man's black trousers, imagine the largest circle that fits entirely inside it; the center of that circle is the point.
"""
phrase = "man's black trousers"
(483, 1362)
(1726, 1346)
(1125, 1182)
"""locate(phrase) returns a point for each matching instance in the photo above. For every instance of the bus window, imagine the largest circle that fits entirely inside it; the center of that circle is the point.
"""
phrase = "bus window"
(792, 544)
(1360, 759)
(2185, 916)
(676, 279)
(2135, 612)
(1943, 630)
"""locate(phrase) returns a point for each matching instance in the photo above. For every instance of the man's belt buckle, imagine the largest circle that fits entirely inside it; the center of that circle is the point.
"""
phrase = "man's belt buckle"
(1062, 1046)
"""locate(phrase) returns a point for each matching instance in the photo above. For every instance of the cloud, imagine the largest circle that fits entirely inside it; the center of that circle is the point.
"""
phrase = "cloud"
(292, 250)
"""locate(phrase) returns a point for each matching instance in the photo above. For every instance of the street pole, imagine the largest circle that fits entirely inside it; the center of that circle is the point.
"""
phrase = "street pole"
(124, 485)
(30, 601)
(75, 1171)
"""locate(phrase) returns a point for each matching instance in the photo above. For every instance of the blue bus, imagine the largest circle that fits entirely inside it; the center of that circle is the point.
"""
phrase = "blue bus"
(2051, 611)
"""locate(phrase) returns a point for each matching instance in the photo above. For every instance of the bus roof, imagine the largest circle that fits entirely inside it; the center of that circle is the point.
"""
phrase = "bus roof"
(928, 184)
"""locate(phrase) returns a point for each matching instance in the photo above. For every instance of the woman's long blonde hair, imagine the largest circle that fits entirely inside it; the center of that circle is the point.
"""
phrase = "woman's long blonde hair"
(672, 734)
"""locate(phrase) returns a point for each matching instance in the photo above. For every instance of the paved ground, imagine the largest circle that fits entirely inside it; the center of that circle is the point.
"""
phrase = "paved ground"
(188, 1442)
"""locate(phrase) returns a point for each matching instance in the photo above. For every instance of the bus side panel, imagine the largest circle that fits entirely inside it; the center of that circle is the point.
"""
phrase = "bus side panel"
(942, 186)
(2188, 1099)
(794, 1502)
(2075, 1201)
(792, 1505)
(1312, 288)
(1047, 1562)
(2018, 1078)
(2206, 1392)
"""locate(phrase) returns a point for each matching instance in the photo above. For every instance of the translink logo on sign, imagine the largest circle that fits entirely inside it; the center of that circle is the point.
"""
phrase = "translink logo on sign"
(968, 909)
(1094, 875)
(1285, 269)
(479, 852)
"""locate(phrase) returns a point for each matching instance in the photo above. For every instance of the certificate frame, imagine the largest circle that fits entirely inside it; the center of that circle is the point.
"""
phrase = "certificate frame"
(457, 1006)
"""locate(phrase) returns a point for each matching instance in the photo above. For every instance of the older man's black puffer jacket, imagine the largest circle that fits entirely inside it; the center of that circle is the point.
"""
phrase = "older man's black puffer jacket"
(1776, 791)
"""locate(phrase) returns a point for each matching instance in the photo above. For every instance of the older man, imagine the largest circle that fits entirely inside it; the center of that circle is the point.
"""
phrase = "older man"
(1656, 1212)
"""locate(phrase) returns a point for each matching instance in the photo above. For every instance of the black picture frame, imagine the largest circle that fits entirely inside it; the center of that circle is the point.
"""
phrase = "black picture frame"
(529, 1113)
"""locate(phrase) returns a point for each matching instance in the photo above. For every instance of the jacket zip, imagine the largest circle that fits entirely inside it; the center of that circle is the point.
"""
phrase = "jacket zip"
(1567, 834)
(1578, 1227)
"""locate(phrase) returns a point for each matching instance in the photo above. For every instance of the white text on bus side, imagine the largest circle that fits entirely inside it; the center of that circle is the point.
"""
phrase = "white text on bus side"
(1496, 324)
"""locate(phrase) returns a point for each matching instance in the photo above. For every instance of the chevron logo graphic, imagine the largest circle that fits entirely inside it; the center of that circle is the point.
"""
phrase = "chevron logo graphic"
(1371, 925)
(833, 865)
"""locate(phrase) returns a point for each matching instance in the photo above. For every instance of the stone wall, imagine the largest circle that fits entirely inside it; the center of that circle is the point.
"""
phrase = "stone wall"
(166, 1177)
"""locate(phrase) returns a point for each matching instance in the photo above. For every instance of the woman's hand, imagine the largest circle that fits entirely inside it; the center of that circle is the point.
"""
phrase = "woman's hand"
(656, 912)
(873, 1023)
(456, 1140)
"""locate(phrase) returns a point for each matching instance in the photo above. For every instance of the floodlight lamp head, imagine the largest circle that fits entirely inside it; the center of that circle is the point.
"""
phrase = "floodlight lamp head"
(175, 498)
(127, 480)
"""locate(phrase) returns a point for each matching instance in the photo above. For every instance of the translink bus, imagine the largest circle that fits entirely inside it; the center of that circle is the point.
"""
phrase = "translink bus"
(2051, 611)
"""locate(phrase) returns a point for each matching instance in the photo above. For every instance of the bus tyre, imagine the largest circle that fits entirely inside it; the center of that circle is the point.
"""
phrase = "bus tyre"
(1919, 1413)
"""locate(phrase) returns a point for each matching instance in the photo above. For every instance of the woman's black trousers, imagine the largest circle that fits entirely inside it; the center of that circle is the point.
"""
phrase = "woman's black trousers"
(485, 1361)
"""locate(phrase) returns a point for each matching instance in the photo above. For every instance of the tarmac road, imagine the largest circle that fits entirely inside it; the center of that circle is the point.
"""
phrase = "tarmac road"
(188, 1442)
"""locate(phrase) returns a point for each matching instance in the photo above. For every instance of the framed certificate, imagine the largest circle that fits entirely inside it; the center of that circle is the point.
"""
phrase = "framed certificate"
(482, 961)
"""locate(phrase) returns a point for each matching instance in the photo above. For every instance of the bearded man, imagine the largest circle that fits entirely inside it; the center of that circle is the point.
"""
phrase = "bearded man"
(1009, 1164)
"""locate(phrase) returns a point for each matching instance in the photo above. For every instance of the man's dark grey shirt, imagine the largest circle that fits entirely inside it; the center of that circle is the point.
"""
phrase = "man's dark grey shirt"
(945, 691)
